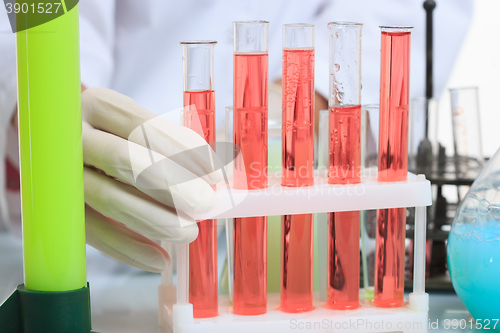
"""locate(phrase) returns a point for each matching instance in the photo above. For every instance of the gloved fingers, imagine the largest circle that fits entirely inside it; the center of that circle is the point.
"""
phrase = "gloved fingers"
(152, 173)
(118, 114)
(127, 205)
(124, 244)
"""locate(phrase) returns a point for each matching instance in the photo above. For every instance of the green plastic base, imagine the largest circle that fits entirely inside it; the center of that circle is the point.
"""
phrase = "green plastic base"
(28, 311)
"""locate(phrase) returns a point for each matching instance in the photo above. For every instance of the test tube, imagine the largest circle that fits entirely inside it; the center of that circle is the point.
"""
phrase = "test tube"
(250, 168)
(297, 165)
(50, 145)
(344, 162)
(466, 123)
(199, 115)
(392, 163)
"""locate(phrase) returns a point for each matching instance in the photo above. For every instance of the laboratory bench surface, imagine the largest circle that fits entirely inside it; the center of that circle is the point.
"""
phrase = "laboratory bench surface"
(125, 300)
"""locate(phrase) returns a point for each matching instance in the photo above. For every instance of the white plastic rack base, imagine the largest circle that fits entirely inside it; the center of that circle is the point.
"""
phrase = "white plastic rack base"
(366, 318)
(175, 313)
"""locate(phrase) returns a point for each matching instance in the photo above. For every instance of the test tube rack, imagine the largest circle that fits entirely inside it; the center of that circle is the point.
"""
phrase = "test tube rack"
(176, 313)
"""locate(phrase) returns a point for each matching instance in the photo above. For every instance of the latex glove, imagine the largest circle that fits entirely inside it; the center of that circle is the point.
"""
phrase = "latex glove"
(152, 172)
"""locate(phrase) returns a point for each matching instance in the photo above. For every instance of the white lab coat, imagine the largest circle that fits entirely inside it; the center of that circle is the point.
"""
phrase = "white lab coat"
(132, 46)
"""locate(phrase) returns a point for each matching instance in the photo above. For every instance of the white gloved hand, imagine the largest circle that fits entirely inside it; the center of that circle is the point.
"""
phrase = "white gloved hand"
(141, 173)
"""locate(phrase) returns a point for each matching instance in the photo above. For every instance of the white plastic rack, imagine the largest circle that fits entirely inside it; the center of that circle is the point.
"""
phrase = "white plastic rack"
(176, 313)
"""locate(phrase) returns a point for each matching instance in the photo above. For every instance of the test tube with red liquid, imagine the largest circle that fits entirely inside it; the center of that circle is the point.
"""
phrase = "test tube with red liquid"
(199, 115)
(344, 162)
(297, 165)
(392, 163)
(250, 100)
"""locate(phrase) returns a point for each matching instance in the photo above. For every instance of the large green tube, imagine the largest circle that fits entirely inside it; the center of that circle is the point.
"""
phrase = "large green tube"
(50, 139)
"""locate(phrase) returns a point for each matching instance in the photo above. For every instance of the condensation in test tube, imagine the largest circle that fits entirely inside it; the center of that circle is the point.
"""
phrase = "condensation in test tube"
(344, 162)
(297, 165)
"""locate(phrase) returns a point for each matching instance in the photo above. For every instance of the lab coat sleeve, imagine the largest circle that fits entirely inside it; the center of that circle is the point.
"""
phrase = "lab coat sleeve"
(97, 39)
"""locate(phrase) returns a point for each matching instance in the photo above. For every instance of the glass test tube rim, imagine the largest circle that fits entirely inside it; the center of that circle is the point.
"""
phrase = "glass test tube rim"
(251, 22)
(198, 42)
(298, 25)
(346, 24)
(396, 28)
(452, 90)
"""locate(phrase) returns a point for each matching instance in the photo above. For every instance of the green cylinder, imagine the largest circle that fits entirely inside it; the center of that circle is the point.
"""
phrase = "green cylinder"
(50, 140)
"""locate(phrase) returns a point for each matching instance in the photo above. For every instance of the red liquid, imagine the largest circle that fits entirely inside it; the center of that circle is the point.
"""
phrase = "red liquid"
(344, 227)
(392, 166)
(345, 145)
(250, 266)
(297, 263)
(390, 257)
(250, 120)
(297, 170)
(203, 289)
(201, 119)
(394, 94)
(298, 118)
(203, 271)
(250, 172)
(343, 260)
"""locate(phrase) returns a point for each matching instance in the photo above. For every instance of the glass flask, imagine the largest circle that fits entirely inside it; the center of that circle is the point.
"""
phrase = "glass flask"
(474, 246)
